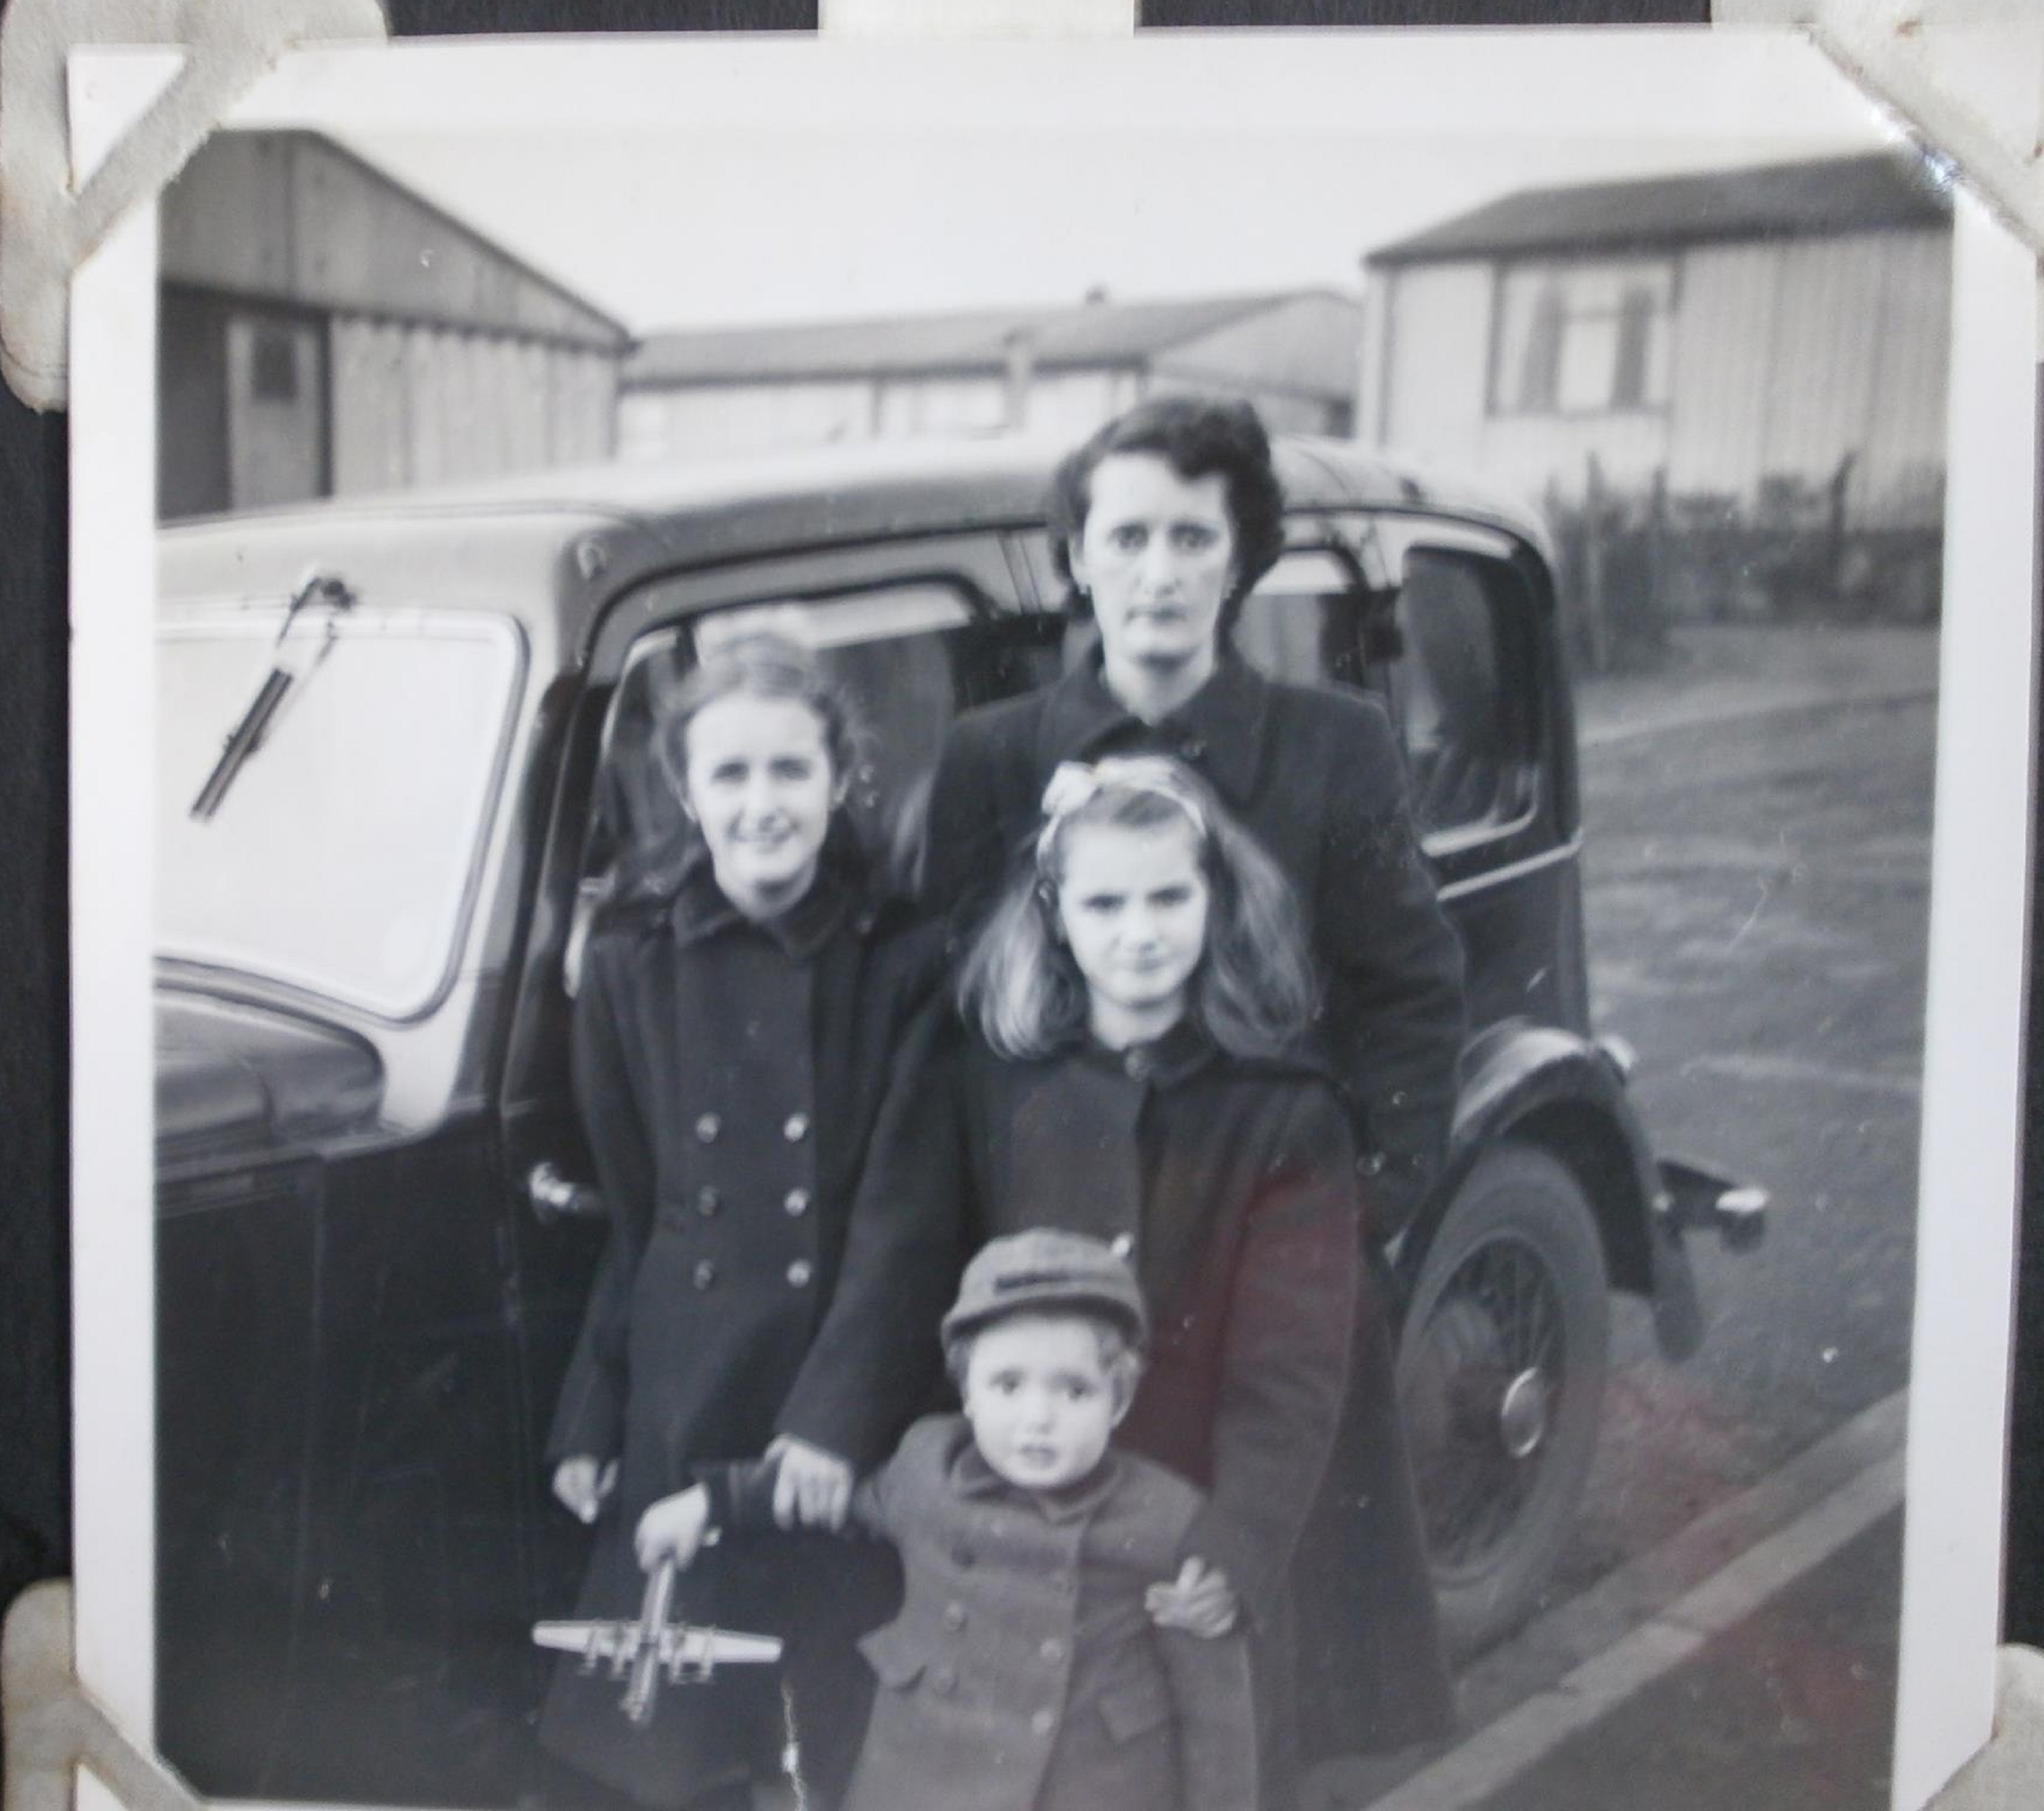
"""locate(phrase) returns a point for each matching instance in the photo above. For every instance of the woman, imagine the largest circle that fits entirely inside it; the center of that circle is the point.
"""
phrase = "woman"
(733, 1053)
(1163, 521)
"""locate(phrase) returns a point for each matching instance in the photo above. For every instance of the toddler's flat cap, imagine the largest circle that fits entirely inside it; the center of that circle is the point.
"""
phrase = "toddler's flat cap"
(1042, 1269)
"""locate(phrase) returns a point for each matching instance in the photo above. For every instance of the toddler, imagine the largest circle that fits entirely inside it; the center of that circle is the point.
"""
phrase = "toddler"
(1025, 1672)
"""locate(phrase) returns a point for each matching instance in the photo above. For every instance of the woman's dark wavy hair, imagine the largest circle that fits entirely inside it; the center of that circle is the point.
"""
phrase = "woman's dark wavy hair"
(1196, 436)
(1253, 992)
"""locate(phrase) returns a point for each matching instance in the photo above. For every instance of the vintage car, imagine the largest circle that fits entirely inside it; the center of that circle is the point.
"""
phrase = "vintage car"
(402, 749)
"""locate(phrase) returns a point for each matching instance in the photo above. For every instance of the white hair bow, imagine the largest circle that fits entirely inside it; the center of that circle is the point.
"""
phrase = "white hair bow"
(1076, 784)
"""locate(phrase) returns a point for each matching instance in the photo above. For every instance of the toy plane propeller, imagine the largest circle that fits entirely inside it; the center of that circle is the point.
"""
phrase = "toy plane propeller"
(643, 1650)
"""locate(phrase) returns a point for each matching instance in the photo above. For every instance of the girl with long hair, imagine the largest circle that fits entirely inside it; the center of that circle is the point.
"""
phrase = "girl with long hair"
(1135, 1009)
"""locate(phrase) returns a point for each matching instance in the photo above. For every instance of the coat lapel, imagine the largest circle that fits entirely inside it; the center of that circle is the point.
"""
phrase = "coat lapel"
(1219, 732)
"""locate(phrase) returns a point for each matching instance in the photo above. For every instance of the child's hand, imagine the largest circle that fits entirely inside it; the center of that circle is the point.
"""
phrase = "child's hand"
(812, 1485)
(583, 1482)
(1200, 1600)
(674, 1527)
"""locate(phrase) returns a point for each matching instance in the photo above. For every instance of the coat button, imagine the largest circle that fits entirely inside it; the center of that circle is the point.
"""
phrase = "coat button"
(1122, 1244)
(706, 1202)
(796, 1202)
(797, 1128)
(800, 1272)
(1044, 1722)
(943, 1681)
(954, 1616)
(704, 1274)
(1192, 748)
(1370, 1164)
(1053, 1651)
(707, 1126)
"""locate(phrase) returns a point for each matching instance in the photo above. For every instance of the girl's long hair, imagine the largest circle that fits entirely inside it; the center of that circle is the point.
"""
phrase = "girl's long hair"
(1253, 992)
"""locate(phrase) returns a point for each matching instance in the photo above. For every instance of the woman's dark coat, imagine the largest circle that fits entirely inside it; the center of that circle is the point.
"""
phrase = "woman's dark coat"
(732, 1079)
(1316, 775)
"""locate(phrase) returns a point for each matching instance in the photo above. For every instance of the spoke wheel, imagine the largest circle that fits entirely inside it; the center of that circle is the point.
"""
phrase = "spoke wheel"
(1501, 1374)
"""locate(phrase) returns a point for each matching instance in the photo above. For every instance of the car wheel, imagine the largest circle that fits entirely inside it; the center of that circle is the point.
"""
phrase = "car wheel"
(1501, 1374)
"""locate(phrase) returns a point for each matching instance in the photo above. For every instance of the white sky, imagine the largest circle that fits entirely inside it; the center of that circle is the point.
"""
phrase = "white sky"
(694, 182)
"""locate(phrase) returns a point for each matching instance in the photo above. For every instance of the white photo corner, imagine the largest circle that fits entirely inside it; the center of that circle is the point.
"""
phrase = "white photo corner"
(1652, 452)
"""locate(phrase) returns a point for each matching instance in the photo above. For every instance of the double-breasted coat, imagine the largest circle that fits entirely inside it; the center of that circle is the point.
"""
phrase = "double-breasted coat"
(1023, 1672)
(1316, 775)
(733, 1078)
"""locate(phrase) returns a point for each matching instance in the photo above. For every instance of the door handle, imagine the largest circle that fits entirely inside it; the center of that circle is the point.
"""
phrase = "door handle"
(555, 1197)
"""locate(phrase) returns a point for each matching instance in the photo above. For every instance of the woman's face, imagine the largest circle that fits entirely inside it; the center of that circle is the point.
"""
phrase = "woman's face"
(760, 783)
(1157, 554)
(1132, 905)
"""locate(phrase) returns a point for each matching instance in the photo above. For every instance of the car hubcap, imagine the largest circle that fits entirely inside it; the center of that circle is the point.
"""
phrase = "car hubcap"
(1480, 1399)
(1522, 1417)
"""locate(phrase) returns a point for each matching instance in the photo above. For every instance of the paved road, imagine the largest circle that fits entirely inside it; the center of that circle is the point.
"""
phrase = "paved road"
(1756, 903)
(1755, 899)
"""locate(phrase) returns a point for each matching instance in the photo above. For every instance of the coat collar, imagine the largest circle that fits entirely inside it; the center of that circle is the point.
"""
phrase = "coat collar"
(701, 911)
(972, 1477)
(1218, 730)
(1181, 1051)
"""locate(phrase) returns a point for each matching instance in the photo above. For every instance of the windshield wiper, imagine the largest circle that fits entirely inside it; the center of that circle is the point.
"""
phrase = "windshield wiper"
(322, 590)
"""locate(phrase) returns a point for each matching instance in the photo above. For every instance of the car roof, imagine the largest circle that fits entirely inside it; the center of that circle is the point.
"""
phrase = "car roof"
(560, 543)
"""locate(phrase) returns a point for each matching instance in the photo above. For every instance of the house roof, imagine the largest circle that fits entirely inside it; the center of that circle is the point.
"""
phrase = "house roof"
(1088, 333)
(1843, 194)
(300, 217)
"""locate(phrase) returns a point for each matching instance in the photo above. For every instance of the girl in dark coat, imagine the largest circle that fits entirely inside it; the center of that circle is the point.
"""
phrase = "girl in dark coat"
(733, 1056)
(1129, 1072)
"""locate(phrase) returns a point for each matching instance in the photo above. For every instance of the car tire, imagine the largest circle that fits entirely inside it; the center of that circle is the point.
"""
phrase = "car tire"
(1500, 1378)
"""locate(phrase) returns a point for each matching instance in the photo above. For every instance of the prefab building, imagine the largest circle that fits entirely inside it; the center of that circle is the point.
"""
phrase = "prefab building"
(1054, 371)
(324, 331)
(1743, 345)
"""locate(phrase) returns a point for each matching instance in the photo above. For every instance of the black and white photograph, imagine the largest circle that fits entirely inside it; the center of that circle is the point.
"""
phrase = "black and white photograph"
(1046, 928)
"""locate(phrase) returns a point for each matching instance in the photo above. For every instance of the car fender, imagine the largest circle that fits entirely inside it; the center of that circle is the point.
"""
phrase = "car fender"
(1546, 1085)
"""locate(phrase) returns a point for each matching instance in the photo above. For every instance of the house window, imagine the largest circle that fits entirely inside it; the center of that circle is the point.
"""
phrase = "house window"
(274, 366)
(1582, 339)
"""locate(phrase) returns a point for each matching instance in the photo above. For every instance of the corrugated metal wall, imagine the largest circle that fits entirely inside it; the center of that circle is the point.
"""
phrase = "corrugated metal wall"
(706, 421)
(703, 421)
(1786, 358)
(1790, 357)
(423, 404)
(1432, 397)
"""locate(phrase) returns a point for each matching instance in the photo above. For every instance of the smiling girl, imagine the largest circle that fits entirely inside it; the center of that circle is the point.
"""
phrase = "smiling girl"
(733, 1045)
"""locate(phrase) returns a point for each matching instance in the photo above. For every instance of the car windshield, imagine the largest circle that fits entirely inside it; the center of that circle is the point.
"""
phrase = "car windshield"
(342, 861)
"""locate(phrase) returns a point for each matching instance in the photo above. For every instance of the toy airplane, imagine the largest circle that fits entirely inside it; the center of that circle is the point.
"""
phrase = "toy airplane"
(642, 1650)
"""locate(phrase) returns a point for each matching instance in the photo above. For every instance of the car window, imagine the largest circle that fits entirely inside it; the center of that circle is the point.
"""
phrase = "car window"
(911, 656)
(342, 858)
(1454, 672)
(1303, 622)
(1461, 690)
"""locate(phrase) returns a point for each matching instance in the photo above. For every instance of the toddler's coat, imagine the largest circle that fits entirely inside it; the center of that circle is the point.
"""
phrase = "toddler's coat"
(1024, 1673)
